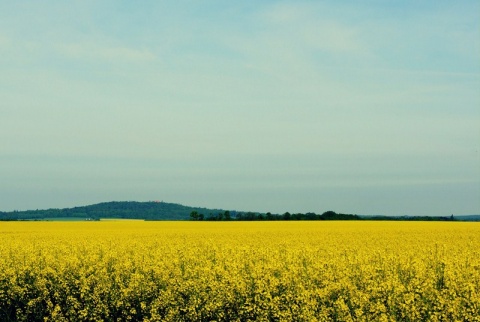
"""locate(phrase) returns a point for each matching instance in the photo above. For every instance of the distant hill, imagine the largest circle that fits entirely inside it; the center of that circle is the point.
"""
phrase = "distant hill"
(151, 210)
(155, 210)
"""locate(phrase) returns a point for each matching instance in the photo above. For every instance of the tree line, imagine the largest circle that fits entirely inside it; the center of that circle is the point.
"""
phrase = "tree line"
(255, 216)
(328, 215)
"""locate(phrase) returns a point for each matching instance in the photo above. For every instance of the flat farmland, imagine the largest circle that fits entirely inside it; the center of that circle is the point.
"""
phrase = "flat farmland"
(239, 271)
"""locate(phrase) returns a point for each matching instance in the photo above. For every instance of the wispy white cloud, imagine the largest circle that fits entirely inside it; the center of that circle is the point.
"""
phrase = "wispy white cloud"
(96, 52)
(311, 25)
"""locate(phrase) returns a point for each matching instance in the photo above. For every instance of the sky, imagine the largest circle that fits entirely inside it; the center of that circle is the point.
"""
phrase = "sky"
(365, 107)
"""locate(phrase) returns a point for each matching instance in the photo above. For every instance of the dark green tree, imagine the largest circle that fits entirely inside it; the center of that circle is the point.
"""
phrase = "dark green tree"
(227, 216)
(194, 215)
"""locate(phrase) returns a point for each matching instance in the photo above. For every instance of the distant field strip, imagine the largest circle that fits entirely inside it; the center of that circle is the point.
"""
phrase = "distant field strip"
(239, 271)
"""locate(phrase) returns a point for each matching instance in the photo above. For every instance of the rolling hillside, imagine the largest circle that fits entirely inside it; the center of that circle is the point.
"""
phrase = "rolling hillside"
(151, 210)
(155, 210)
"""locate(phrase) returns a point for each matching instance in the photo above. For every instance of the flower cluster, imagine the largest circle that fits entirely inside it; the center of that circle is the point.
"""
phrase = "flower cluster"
(239, 271)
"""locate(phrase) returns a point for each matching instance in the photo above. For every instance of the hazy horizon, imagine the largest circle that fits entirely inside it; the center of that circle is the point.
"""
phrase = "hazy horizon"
(299, 106)
(318, 212)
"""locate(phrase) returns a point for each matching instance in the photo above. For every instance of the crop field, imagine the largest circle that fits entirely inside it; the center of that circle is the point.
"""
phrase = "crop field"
(239, 271)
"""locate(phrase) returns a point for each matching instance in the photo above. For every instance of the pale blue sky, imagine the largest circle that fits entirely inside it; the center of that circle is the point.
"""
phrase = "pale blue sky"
(369, 107)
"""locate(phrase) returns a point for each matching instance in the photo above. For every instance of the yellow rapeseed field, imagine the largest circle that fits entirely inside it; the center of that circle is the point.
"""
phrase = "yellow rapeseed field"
(239, 271)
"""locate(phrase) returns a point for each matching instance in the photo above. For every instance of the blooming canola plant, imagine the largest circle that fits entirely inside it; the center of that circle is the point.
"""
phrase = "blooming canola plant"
(239, 271)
